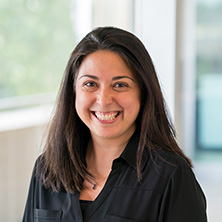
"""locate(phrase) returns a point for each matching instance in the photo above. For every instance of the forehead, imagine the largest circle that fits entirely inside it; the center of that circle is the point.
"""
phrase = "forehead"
(104, 61)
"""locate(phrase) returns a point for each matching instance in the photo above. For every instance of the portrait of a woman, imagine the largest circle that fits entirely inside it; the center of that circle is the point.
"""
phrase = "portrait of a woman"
(111, 152)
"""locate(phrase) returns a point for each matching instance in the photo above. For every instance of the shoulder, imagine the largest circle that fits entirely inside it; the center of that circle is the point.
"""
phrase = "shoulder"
(169, 171)
(38, 168)
(166, 171)
(165, 158)
(166, 164)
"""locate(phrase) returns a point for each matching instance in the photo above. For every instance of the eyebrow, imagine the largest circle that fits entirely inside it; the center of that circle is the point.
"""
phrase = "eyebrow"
(114, 78)
(122, 77)
(89, 76)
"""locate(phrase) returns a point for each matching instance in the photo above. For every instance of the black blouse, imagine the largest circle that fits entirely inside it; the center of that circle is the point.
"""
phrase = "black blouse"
(84, 205)
(168, 192)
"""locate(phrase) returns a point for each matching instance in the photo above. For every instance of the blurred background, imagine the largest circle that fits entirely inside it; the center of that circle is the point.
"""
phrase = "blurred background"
(184, 39)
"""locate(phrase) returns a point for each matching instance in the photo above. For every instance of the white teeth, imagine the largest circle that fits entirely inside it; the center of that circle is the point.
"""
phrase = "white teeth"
(106, 117)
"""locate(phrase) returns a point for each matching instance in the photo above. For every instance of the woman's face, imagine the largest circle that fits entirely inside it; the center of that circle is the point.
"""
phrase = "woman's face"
(107, 95)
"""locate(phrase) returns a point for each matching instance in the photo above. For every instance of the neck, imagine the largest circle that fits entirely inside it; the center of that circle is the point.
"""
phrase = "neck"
(101, 153)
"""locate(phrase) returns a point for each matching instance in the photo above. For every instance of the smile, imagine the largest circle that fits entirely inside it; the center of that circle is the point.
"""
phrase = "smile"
(106, 116)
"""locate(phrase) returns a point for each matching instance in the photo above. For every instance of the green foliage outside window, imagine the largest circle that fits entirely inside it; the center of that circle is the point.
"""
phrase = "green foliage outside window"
(36, 39)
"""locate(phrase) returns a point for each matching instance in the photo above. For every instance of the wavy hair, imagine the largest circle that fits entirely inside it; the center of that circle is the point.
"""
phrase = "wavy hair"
(63, 162)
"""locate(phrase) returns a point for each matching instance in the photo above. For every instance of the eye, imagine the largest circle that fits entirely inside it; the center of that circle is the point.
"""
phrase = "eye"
(90, 85)
(120, 86)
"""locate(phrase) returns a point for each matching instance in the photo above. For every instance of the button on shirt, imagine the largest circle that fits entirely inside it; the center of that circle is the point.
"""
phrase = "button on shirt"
(168, 192)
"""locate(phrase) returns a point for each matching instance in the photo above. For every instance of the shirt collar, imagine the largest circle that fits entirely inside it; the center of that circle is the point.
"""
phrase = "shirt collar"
(130, 152)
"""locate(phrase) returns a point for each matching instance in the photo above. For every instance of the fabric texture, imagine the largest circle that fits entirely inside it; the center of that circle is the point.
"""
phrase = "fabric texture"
(168, 192)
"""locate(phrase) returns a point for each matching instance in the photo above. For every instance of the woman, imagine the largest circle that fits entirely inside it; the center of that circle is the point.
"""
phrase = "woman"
(111, 153)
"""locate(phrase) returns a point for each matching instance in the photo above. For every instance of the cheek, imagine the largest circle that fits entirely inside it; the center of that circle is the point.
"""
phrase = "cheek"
(132, 103)
(82, 104)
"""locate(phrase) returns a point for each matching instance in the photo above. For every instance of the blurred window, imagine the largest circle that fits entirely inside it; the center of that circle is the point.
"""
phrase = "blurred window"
(36, 39)
(209, 74)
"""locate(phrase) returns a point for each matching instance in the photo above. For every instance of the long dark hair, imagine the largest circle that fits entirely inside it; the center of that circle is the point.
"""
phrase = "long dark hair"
(63, 158)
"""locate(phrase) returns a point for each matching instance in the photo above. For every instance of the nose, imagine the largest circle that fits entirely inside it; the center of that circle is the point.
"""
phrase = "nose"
(104, 96)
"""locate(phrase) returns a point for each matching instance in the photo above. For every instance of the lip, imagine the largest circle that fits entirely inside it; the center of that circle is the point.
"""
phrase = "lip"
(106, 117)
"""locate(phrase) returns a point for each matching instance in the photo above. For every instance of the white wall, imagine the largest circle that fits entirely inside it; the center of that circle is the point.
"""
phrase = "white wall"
(185, 75)
(156, 26)
(18, 150)
(117, 13)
